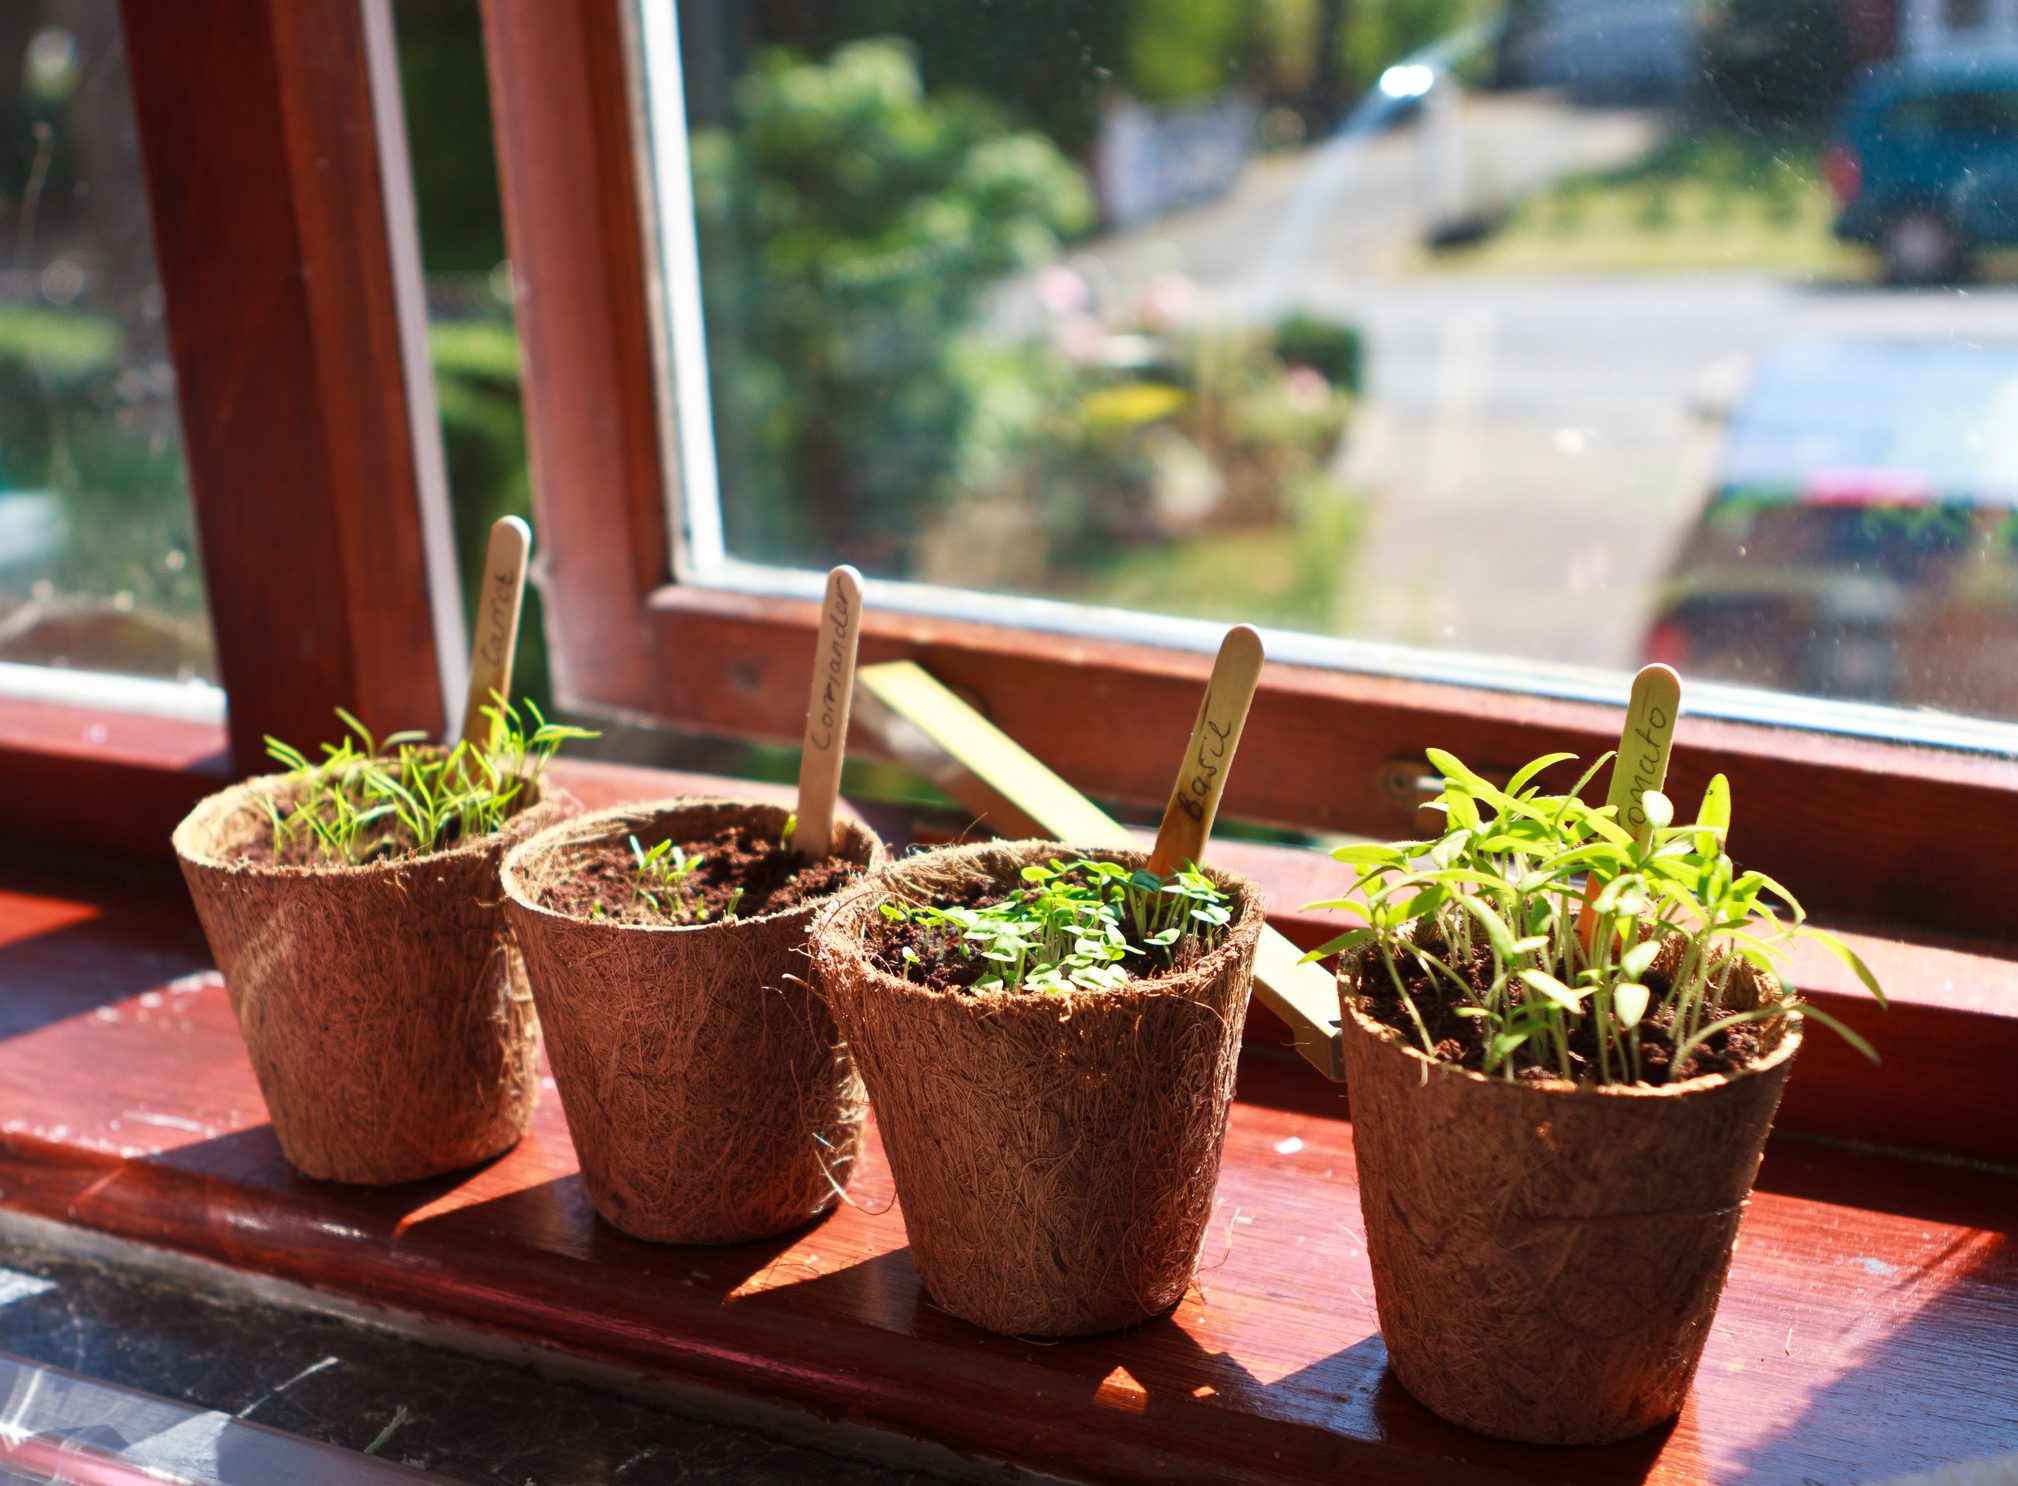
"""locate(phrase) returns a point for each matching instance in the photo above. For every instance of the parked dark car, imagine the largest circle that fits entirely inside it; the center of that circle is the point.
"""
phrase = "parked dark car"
(1860, 540)
(1925, 164)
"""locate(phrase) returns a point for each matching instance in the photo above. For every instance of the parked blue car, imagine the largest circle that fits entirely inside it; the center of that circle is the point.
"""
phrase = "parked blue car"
(1925, 164)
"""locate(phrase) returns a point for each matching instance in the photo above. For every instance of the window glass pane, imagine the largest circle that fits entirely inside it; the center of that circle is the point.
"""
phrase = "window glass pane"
(472, 341)
(98, 567)
(1551, 334)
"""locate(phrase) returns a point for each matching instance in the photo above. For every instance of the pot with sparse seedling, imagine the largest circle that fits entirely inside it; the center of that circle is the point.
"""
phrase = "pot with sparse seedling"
(1049, 1036)
(708, 1093)
(1566, 1035)
(353, 907)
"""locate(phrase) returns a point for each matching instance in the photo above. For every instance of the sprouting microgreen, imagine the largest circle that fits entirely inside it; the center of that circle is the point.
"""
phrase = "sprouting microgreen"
(374, 799)
(1073, 925)
(663, 883)
(1485, 915)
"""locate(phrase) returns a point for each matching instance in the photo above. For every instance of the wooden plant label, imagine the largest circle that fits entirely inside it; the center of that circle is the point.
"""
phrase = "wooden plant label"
(826, 741)
(1644, 745)
(1187, 819)
(1640, 765)
(494, 645)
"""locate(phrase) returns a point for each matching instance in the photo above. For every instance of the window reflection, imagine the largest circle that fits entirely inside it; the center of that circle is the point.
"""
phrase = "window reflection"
(98, 565)
(1568, 331)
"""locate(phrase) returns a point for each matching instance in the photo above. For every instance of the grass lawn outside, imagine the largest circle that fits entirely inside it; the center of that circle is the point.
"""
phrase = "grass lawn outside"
(1292, 576)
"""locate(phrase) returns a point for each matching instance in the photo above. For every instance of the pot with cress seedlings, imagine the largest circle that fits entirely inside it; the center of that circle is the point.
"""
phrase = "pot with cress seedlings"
(1048, 1036)
(1566, 1035)
(707, 1090)
(353, 908)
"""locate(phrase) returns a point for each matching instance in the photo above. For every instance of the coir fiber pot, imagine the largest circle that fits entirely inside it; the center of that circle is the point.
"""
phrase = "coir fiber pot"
(1054, 1154)
(1547, 1258)
(705, 1084)
(385, 1011)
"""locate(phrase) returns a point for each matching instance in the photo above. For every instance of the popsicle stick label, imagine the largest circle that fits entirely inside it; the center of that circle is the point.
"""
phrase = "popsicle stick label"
(1194, 801)
(494, 646)
(826, 739)
(1645, 744)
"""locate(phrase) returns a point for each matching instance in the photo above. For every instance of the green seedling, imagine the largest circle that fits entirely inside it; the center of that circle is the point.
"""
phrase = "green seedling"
(663, 873)
(374, 799)
(1487, 912)
(1073, 925)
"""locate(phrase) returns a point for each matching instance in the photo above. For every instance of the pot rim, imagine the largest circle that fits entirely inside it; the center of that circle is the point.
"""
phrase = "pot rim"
(1782, 1052)
(596, 824)
(1246, 924)
(227, 802)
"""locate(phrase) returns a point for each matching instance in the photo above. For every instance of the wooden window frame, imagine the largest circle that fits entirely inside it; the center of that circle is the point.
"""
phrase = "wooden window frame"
(284, 235)
(1885, 834)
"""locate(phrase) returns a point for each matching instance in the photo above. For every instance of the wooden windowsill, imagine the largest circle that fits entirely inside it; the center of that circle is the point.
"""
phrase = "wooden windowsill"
(1865, 1330)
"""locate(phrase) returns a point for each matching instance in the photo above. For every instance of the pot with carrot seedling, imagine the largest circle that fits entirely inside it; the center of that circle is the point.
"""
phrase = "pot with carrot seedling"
(1566, 1035)
(707, 1090)
(353, 907)
(1049, 1038)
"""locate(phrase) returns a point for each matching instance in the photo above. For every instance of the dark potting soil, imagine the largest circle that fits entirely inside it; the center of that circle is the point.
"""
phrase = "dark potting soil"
(943, 967)
(1461, 1039)
(772, 878)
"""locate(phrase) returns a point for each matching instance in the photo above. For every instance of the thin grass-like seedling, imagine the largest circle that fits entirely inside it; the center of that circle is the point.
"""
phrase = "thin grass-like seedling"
(662, 883)
(372, 799)
(826, 741)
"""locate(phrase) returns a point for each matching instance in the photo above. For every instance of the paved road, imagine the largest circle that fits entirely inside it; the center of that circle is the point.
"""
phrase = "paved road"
(1537, 447)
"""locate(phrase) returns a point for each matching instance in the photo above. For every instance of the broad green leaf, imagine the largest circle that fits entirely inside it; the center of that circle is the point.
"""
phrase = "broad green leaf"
(1634, 962)
(1369, 854)
(1452, 768)
(1495, 927)
(1629, 1003)
(1713, 820)
(1545, 984)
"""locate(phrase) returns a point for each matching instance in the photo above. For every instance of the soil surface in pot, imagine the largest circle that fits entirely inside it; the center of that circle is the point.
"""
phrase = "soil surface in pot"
(772, 877)
(944, 968)
(1461, 1039)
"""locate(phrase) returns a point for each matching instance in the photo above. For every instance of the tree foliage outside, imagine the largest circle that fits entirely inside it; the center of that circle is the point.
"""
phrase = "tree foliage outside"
(850, 226)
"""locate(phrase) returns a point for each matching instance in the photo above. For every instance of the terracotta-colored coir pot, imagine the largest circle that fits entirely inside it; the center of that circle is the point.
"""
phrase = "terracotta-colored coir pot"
(706, 1087)
(1054, 1155)
(1547, 1258)
(385, 1011)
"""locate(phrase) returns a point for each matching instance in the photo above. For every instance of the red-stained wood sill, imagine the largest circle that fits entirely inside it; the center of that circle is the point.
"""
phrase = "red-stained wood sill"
(1870, 1326)
(94, 780)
